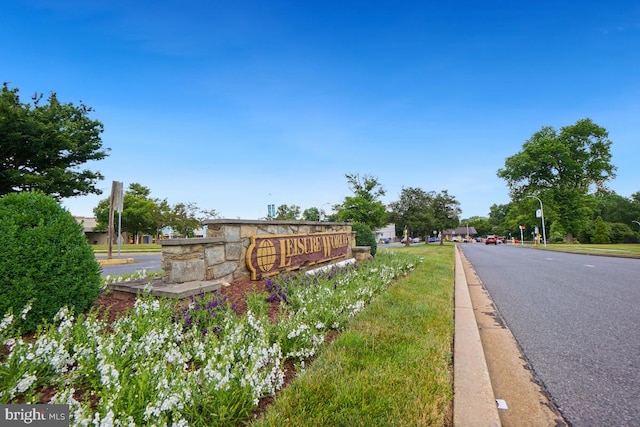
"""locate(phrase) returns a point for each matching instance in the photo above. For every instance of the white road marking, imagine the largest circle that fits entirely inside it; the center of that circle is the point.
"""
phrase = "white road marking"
(501, 404)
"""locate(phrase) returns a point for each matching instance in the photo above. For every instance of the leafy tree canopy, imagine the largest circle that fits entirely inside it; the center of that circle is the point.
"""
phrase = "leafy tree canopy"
(185, 218)
(615, 208)
(561, 168)
(445, 211)
(480, 223)
(43, 146)
(145, 215)
(311, 214)
(364, 206)
(413, 211)
(288, 213)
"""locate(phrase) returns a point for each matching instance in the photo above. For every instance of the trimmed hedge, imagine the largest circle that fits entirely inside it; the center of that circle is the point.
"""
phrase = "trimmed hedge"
(44, 258)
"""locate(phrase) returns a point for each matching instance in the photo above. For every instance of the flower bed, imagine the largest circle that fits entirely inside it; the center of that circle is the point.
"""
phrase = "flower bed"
(200, 364)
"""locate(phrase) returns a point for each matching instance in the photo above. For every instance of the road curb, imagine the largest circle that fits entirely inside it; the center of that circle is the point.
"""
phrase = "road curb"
(115, 261)
(474, 403)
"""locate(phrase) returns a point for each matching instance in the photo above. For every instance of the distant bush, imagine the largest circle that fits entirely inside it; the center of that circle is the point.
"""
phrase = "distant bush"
(557, 233)
(365, 237)
(622, 233)
(601, 232)
(45, 259)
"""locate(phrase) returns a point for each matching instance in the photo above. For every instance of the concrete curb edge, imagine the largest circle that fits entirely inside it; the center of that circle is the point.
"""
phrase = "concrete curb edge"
(474, 403)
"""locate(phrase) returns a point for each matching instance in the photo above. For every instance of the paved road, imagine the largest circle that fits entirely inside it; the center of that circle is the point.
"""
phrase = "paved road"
(148, 262)
(577, 319)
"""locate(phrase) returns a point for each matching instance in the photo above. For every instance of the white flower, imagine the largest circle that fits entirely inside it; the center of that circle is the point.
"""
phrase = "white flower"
(25, 310)
(6, 321)
(10, 343)
(24, 384)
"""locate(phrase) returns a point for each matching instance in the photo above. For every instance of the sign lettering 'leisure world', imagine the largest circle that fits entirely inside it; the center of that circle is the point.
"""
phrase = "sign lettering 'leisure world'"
(271, 254)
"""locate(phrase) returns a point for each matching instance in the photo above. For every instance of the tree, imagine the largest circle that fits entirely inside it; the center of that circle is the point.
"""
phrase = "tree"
(311, 214)
(561, 168)
(144, 215)
(480, 223)
(601, 234)
(140, 214)
(366, 187)
(364, 206)
(185, 218)
(498, 215)
(288, 213)
(615, 208)
(42, 146)
(446, 211)
(413, 211)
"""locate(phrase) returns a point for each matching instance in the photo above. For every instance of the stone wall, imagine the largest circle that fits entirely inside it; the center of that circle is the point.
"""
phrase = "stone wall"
(221, 254)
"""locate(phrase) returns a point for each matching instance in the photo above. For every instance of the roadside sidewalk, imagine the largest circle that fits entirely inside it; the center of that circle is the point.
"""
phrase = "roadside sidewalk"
(473, 402)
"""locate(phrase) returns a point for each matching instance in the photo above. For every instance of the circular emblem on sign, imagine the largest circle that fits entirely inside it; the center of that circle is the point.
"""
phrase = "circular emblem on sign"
(266, 255)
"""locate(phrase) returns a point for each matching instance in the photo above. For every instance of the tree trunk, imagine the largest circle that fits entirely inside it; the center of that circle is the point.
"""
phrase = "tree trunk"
(569, 238)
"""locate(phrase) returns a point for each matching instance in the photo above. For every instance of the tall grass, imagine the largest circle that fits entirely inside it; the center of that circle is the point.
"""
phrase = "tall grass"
(392, 365)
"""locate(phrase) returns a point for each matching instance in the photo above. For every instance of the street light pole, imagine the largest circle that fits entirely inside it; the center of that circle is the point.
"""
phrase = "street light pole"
(544, 234)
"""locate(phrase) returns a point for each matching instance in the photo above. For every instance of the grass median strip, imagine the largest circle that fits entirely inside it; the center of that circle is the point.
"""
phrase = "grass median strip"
(392, 366)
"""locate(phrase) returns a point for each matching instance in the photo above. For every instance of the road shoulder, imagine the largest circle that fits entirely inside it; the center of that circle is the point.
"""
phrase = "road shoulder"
(511, 377)
(473, 401)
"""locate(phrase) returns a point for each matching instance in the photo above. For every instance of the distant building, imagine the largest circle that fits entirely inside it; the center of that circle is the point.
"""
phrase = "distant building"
(93, 237)
(460, 233)
(386, 232)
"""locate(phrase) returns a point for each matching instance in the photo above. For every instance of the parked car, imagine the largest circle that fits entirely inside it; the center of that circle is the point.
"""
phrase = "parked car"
(385, 240)
(433, 239)
(411, 240)
(491, 239)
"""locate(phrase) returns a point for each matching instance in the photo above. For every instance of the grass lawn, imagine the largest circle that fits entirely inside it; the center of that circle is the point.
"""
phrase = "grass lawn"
(627, 249)
(99, 249)
(393, 364)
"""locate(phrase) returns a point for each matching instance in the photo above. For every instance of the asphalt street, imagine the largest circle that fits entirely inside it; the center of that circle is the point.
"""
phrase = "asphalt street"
(147, 262)
(576, 319)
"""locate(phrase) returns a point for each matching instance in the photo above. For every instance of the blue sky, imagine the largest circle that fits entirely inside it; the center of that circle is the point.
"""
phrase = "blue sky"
(234, 105)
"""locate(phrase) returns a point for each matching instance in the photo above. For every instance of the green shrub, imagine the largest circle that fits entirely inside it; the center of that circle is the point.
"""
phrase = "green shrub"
(601, 234)
(44, 258)
(622, 233)
(365, 237)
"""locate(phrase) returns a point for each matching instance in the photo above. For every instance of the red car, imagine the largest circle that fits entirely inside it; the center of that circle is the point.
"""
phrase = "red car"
(491, 239)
